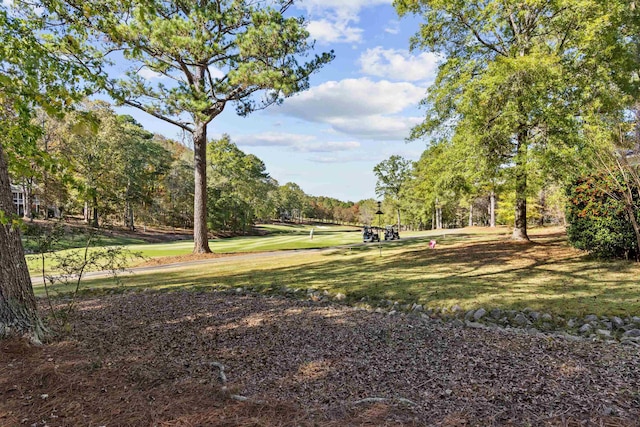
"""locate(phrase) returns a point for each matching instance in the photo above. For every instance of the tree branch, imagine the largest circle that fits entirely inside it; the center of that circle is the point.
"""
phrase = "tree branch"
(157, 115)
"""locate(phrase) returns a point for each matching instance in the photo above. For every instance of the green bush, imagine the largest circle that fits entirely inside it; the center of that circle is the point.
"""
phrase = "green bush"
(598, 221)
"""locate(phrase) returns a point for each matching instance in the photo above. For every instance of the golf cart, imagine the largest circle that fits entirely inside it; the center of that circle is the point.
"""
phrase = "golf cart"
(391, 233)
(370, 234)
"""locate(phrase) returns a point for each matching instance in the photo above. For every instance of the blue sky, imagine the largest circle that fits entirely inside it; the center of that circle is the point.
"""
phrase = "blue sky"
(358, 111)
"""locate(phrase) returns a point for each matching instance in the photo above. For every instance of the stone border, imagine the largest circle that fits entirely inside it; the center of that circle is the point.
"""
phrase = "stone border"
(611, 329)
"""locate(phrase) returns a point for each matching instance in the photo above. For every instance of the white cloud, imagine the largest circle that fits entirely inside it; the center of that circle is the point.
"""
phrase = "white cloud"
(398, 64)
(148, 74)
(383, 128)
(338, 6)
(393, 27)
(339, 159)
(352, 98)
(359, 107)
(295, 142)
(327, 32)
(332, 21)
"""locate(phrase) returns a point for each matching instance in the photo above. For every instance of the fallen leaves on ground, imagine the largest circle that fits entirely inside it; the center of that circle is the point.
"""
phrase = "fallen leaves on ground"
(146, 359)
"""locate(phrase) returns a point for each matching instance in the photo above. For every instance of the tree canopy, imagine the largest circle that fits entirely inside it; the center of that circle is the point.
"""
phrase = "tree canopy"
(32, 74)
(518, 78)
(206, 55)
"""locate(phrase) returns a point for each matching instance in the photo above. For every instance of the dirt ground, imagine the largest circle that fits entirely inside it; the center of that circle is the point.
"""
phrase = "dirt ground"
(190, 359)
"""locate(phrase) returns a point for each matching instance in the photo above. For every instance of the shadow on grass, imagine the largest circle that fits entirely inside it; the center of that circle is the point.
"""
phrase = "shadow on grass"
(546, 275)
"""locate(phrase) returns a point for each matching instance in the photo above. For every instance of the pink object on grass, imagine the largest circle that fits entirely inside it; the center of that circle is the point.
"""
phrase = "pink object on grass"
(432, 244)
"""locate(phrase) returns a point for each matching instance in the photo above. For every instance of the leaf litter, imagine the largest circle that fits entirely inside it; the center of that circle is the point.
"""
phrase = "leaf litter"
(212, 358)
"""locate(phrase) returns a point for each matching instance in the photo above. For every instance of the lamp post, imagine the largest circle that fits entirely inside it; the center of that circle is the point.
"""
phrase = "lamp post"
(379, 213)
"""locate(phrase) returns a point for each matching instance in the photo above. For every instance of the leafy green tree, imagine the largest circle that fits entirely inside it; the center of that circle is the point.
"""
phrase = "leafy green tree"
(92, 146)
(174, 206)
(31, 76)
(213, 53)
(141, 165)
(292, 201)
(518, 77)
(392, 174)
(239, 186)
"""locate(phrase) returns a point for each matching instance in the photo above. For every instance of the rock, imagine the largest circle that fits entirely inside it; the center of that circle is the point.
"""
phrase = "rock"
(496, 313)
(469, 314)
(630, 341)
(605, 333)
(568, 336)
(392, 312)
(546, 326)
(417, 308)
(340, 297)
(521, 320)
(585, 329)
(632, 333)
(456, 309)
(572, 323)
(535, 316)
(635, 319)
(479, 314)
(546, 317)
(474, 325)
(607, 325)
(617, 322)
(239, 290)
(591, 318)
(457, 323)
(527, 310)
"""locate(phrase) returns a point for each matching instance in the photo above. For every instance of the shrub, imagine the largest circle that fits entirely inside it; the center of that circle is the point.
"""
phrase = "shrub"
(598, 220)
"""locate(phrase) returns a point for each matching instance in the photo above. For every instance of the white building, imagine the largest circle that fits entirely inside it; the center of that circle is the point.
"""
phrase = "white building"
(18, 193)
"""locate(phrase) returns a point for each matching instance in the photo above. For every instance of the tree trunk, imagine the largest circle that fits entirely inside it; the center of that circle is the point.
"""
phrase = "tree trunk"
(470, 214)
(200, 232)
(27, 201)
(18, 312)
(399, 224)
(95, 222)
(130, 219)
(520, 226)
(492, 209)
(543, 203)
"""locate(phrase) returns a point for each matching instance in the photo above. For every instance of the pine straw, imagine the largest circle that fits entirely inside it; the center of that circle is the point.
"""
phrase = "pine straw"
(146, 359)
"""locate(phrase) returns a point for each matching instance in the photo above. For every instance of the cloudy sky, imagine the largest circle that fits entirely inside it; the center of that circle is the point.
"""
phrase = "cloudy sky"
(358, 111)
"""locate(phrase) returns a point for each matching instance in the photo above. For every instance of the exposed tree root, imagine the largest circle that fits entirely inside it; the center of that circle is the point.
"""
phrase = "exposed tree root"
(223, 379)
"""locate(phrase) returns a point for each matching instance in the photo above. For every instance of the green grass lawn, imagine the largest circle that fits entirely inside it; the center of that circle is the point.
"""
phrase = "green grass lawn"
(473, 269)
(276, 237)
